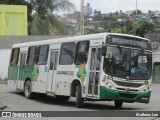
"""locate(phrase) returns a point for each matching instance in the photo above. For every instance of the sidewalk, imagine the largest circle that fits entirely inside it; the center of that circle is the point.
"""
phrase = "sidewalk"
(2, 106)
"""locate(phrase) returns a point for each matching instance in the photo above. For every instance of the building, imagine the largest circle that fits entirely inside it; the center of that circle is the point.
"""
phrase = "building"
(13, 20)
(128, 13)
(72, 21)
(87, 10)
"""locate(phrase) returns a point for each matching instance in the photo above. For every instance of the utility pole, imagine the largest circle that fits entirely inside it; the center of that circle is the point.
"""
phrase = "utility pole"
(136, 7)
(82, 17)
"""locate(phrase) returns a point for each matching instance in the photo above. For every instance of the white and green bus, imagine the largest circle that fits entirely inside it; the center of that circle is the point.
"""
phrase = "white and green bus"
(98, 67)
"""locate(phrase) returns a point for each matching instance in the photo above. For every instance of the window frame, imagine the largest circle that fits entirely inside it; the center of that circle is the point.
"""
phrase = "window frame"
(12, 56)
(68, 54)
(86, 52)
(38, 55)
(28, 55)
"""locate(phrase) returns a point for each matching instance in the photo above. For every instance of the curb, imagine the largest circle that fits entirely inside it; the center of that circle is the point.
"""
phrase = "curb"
(3, 82)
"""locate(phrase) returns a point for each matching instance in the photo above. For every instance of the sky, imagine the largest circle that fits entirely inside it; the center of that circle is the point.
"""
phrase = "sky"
(108, 6)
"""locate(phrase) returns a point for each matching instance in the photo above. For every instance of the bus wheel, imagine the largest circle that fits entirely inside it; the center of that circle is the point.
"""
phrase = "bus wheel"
(28, 90)
(118, 104)
(79, 99)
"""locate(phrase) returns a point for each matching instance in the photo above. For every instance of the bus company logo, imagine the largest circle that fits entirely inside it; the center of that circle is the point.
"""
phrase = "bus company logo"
(35, 72)
(82, 72)
(128, 89)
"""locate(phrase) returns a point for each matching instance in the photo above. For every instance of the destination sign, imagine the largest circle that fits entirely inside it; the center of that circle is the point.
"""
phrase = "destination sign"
(128, 41)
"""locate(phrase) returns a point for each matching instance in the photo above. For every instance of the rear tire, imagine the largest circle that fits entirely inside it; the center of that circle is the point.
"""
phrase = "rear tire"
(28, 90)
(118, 104)
(79, 99)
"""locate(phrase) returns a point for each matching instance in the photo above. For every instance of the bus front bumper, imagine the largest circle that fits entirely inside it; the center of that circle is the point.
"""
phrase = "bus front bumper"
(108, 94)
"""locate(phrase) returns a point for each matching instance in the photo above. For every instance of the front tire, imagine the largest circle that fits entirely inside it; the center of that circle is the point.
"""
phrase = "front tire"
(79, 99)
(118, 104)
(28, 90)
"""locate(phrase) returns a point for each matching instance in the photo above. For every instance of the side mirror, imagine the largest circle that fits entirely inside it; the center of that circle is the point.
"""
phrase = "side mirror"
(104, 50)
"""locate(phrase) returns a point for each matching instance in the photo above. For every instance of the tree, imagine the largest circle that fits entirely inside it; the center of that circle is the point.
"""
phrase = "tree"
(13, 2)
(44, 22)
(129, 27)
(143, 28)
(116, 30)
(139, 28)
(139, 12)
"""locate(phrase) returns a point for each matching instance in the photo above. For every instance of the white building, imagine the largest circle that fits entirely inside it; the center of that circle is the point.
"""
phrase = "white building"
(87, 10)
(128, 13)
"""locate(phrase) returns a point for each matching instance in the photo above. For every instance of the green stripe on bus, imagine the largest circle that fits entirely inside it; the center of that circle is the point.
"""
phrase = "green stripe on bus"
(25, 72)
(13, 72)
(108, 94)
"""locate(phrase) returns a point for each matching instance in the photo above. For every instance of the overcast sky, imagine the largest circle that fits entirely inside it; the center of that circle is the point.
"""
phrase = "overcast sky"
(107, 6)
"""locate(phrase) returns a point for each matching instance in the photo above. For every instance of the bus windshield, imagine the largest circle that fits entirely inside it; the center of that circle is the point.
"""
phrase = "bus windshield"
(127, 63)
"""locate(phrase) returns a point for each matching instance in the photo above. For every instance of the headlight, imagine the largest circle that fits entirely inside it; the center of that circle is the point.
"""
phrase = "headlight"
(109, 85)
(146, 89)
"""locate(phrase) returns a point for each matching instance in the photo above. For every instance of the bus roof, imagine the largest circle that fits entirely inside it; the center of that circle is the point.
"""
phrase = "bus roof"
(72, 39)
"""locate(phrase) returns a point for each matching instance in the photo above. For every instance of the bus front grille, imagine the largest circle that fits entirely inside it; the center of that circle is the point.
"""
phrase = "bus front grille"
(124, 89)
(125, 95)
(128, 84)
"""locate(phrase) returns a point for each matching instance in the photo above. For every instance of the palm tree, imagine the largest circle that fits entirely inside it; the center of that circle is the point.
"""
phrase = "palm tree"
(44, 22)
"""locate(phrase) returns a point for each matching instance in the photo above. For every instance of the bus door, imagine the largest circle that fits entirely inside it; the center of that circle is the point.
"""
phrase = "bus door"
(52, 71)
(23, 56)
(95, 63)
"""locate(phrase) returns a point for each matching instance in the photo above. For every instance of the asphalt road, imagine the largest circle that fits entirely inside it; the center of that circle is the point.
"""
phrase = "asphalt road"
(16, 101)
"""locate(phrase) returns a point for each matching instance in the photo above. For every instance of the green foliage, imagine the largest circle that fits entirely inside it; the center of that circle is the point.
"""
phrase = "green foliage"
(143, 28)
(139, 12)
(13, 2)
(129, 26)
(44, 22)
(139, 28)
(93, 31)
(110, 24)
(47, 26)
(116, 30)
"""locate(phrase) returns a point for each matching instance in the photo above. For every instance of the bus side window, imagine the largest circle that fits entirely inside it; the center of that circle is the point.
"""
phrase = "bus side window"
(42, 55)
(15, 56)
(81, 52)
(31, 55)
(67, 53)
